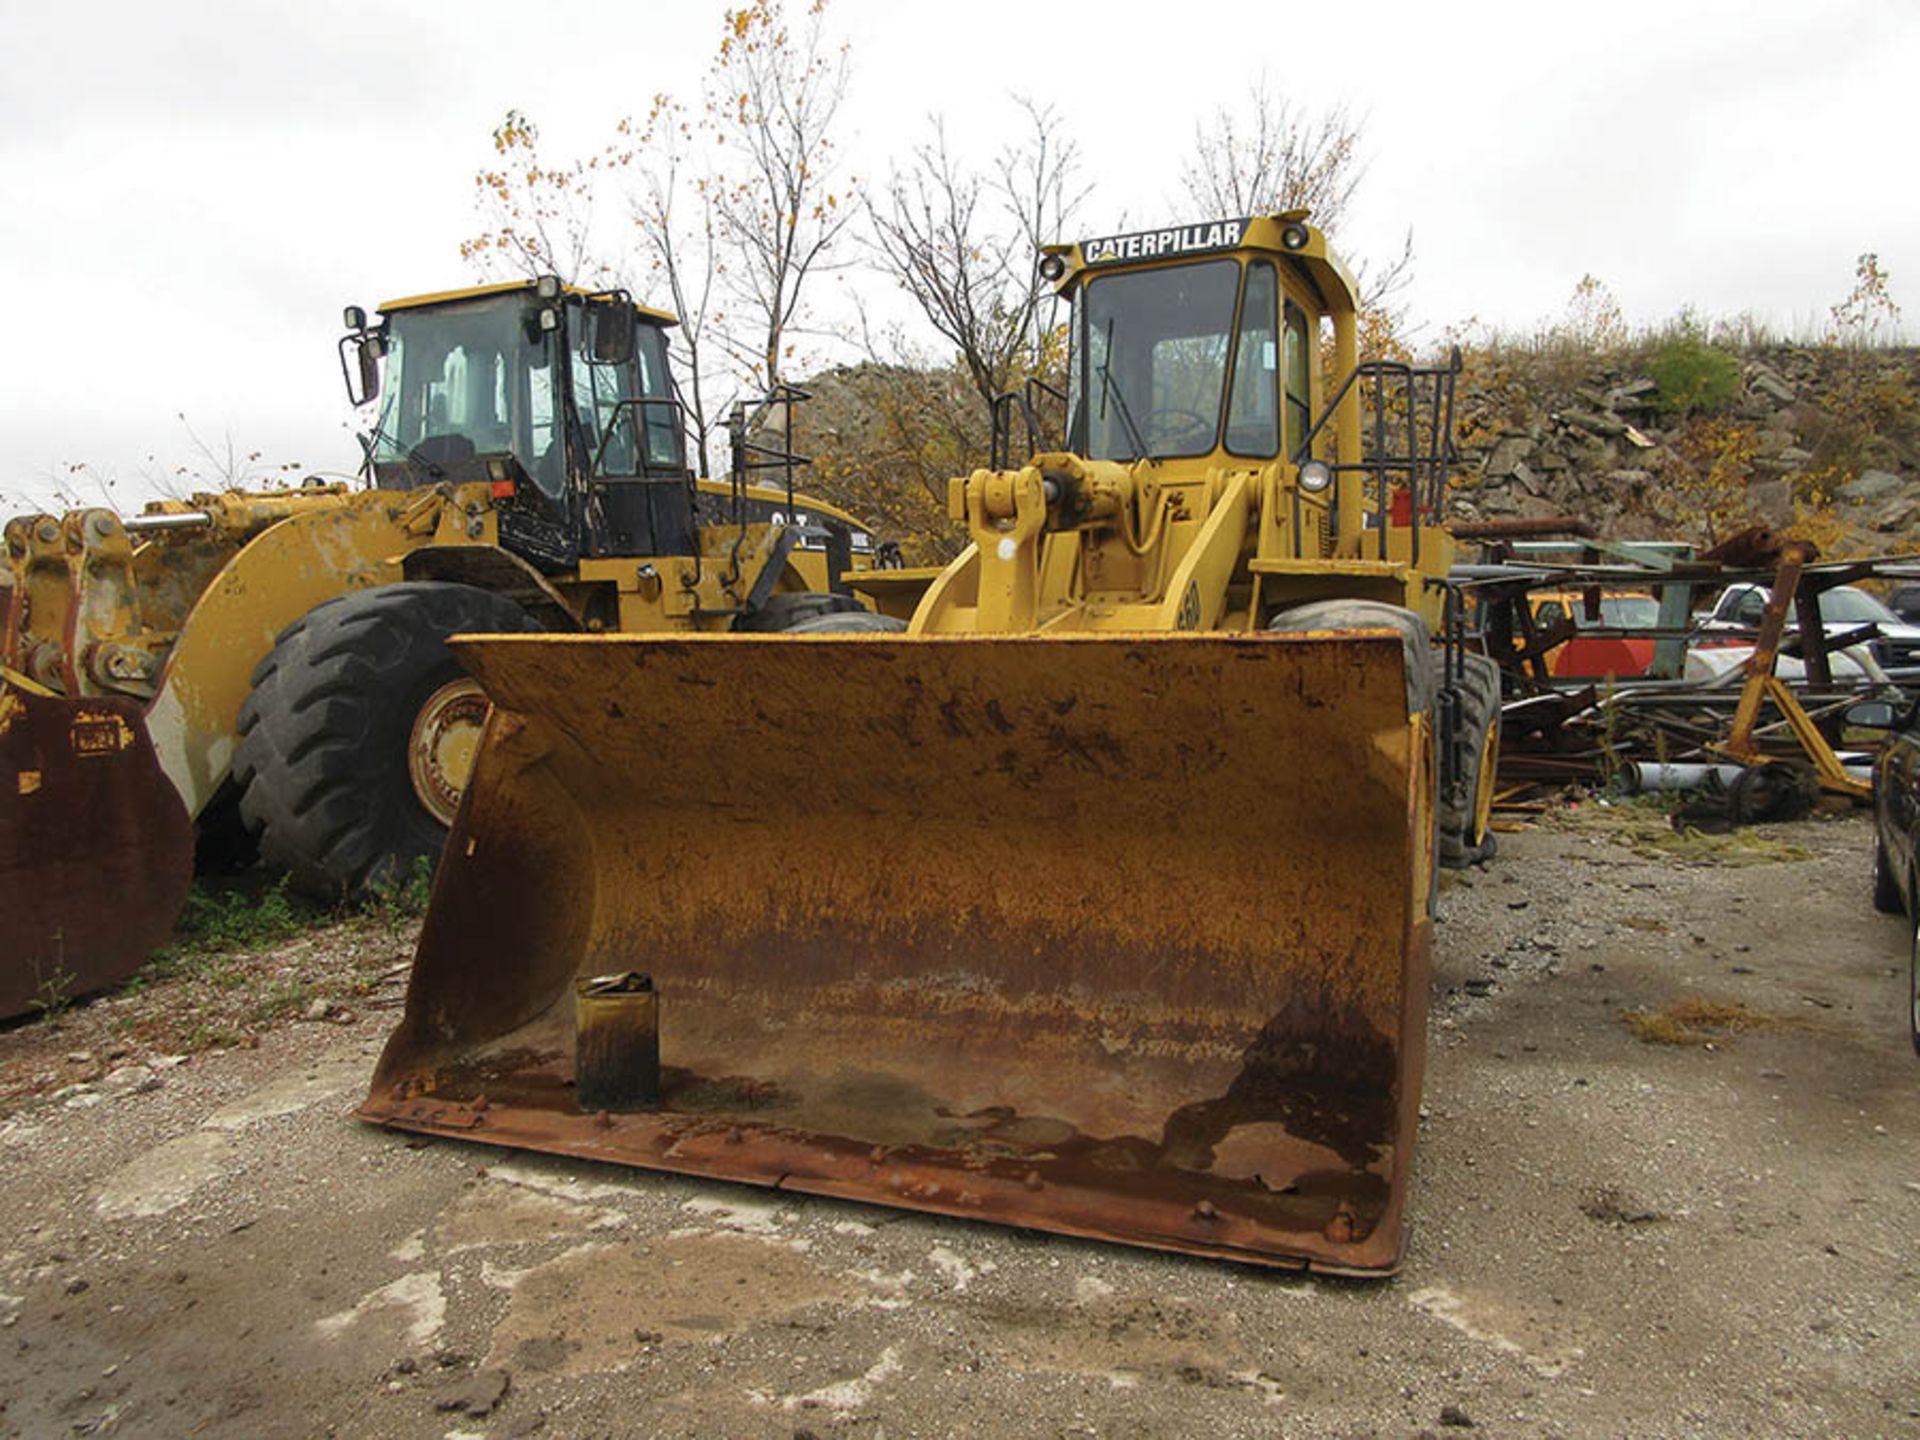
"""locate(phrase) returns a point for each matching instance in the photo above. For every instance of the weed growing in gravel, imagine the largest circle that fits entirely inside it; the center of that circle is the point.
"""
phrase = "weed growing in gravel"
(402, 899)
(288, 997)
(215, 923)
(55, 992)
(1693, 1020)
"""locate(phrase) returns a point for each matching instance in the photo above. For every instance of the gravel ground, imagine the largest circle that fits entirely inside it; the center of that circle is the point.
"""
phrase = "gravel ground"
(1610, 1237)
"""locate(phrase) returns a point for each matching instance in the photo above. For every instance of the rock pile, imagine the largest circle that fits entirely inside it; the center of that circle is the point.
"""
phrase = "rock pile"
(1588, 435)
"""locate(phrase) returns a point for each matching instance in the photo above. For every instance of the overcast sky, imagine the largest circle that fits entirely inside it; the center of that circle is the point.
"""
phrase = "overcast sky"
(189, 193)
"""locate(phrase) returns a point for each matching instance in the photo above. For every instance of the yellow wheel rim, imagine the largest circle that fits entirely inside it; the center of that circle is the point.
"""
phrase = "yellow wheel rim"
(440, 751)
(1483, 790)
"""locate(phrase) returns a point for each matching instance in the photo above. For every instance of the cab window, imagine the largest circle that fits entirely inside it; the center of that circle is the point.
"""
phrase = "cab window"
(1253, 415)
(1298, 376)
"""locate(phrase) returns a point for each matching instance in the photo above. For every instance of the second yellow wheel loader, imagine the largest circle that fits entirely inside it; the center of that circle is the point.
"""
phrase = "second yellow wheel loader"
(1097, 901)
(276, 663)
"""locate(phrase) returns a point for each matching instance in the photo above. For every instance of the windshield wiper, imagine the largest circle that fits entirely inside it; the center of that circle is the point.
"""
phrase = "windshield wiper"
(1107, 387)
(409, 453)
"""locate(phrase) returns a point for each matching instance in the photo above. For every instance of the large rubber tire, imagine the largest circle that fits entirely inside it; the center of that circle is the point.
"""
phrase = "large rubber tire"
(1466, 778)
(795, 607)
(1416, 648)
(323, 759)
(849, 622)
(1886, 889)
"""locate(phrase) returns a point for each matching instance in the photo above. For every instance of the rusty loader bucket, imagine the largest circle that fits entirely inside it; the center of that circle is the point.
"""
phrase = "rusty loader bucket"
(1115, 937)
(96, 850)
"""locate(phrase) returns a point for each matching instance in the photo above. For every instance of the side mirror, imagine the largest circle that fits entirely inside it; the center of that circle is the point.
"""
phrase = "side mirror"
(612, 332)
(367, 352)
(1871, 715)
(363, 376)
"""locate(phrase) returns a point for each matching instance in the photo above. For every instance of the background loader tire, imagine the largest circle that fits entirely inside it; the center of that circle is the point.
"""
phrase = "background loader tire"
(795, 607)
(1370, 615)
(323, 758)
(1464, 838)
(849, 622)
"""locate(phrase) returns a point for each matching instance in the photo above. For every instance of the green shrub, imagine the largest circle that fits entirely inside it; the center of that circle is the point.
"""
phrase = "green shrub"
(1694, 378)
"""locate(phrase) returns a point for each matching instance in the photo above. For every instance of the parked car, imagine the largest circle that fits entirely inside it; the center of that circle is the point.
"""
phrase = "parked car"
(1904, 601)
(1896, 830)
(1842, 609)
(1591, 656)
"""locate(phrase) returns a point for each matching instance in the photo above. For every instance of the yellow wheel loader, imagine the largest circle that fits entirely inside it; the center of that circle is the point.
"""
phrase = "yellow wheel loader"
(1097, 901)
(274, 664)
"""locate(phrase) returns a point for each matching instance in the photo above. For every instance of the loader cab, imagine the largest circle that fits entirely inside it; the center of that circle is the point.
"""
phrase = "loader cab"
(558, 399)
(1189, 344)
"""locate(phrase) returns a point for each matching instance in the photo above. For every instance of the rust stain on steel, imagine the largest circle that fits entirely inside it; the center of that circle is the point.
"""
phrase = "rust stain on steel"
(1056, 954)
(96, 850)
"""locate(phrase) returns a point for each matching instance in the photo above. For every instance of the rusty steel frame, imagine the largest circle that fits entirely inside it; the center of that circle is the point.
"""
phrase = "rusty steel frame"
(1763, 685)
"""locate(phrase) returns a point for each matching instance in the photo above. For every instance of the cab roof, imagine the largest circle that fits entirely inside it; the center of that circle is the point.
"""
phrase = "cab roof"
(1286, 234)
(475, 292)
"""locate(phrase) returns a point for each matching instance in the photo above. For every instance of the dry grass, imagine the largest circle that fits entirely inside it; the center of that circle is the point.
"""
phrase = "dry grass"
(1650, 834)
(1695, 1020)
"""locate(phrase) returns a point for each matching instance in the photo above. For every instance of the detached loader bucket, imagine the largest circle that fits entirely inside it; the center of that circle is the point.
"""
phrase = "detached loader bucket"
(1116, 937)
(96, 850)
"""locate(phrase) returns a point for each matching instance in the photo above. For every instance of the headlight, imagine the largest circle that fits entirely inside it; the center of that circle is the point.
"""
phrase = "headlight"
(1052, 267)
(1315, 476)
(1293, 235)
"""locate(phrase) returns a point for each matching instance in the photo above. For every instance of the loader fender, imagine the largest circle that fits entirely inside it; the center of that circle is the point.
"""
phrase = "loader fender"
(1115, 936)
(277, 577)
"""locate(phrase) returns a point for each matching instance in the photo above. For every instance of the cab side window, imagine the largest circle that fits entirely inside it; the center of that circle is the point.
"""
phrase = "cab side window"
(1298, 376)
(1253, 418)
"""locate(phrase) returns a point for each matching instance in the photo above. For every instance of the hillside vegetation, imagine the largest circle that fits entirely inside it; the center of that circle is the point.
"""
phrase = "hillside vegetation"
(1674, 436)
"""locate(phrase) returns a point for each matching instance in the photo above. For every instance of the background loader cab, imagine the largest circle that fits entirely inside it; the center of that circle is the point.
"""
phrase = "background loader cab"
(559, 400)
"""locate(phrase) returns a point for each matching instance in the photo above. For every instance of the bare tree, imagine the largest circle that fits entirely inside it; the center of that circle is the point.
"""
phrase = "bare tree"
(772, 98)
(537, 215)
(735, 202)
(671, 204)
(1268, 155)
(1040, 181)
(964, 245)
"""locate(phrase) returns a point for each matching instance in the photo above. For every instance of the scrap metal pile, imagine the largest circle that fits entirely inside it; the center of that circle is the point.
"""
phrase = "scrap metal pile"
(1619, 668)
